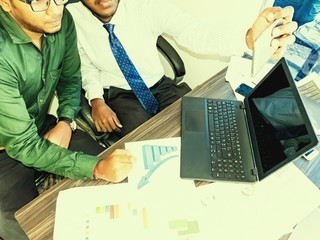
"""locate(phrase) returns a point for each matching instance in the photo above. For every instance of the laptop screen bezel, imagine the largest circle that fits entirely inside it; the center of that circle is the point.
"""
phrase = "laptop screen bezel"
(313, 138)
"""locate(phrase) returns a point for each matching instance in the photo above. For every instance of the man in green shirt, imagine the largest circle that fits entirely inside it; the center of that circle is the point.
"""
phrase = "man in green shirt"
(38, 56)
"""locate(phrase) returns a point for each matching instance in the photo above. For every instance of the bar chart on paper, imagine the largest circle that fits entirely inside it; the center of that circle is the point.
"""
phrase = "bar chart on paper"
(109, 220)
(121, 221)
(154, 156)
(120, 211)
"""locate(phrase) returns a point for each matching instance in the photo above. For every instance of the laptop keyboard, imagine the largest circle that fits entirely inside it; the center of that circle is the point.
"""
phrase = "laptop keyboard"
(224, 140)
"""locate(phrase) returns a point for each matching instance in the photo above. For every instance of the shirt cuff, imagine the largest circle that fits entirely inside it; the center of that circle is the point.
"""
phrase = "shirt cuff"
(85, 165)
(94, 94)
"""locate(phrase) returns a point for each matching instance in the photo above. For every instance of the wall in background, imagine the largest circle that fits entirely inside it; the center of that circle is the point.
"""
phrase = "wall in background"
(198, 67)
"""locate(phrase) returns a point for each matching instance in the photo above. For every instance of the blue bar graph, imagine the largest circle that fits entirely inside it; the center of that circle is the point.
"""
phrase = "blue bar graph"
(153, 158)
(152, 154)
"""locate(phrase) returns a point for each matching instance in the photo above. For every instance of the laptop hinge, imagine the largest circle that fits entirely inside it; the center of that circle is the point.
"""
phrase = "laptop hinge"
(241, 106)
(254, 172)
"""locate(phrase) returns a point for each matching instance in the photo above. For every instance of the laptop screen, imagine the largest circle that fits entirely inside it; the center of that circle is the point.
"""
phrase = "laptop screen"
(279, 126)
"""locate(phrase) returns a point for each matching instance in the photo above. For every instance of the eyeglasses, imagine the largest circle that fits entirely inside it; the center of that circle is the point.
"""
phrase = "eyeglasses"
(42, 5)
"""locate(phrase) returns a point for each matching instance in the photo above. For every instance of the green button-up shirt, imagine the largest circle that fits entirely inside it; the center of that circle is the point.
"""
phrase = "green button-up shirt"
(28, 79)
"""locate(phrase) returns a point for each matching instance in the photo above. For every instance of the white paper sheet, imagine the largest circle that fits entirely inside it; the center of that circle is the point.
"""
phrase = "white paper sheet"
(309, 88)
(117, 212)
(308, 228)
(157, 167)
(265, 210)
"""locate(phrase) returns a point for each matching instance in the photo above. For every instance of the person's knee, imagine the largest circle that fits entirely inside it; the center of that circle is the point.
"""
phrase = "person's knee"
(133, 122)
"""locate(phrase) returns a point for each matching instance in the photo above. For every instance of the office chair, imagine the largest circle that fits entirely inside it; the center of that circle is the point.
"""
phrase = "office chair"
(84, 119)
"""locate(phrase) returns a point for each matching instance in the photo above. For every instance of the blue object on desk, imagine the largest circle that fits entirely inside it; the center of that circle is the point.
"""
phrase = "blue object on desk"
(303, 55)
(309, 63)
(243, 89)
(304, 10)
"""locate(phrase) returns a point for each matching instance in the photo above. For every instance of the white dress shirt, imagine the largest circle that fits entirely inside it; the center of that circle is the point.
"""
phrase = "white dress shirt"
(138, 23)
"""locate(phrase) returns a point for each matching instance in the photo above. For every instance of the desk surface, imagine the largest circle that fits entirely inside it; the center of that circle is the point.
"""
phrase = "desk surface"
(37, 217)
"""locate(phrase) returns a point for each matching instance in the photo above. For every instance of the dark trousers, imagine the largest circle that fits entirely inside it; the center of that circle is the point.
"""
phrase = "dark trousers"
(130, 111)
(17, 185)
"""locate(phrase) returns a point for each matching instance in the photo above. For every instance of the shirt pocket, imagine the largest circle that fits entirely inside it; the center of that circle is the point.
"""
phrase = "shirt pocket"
(53, 78)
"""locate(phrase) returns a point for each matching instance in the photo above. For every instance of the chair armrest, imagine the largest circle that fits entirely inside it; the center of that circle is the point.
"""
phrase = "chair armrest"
(85, 122)
(173, 58)
(86, 113)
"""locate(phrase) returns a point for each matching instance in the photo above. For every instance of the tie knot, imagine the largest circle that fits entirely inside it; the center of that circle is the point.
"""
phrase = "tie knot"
(109, 28)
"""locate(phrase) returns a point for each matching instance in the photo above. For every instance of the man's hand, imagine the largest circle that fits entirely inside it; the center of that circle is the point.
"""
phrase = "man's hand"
(103, 116)
(115, 167)
(282, 34)
(60, 134)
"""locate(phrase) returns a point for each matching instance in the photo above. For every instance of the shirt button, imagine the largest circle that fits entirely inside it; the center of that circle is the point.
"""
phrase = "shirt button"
(41, 100)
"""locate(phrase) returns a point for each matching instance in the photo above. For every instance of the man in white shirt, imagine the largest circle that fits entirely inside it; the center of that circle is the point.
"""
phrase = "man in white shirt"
(137, 24)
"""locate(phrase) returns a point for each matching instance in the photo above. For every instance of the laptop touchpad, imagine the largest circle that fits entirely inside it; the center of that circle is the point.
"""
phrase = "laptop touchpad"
(195, 121)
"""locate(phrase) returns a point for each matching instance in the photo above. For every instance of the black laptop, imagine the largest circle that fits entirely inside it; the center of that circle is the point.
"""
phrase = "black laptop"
(246, 141)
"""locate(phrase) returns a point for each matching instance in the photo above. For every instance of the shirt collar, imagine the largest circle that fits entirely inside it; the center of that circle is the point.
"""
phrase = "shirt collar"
(119, 17)
(15, 32)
